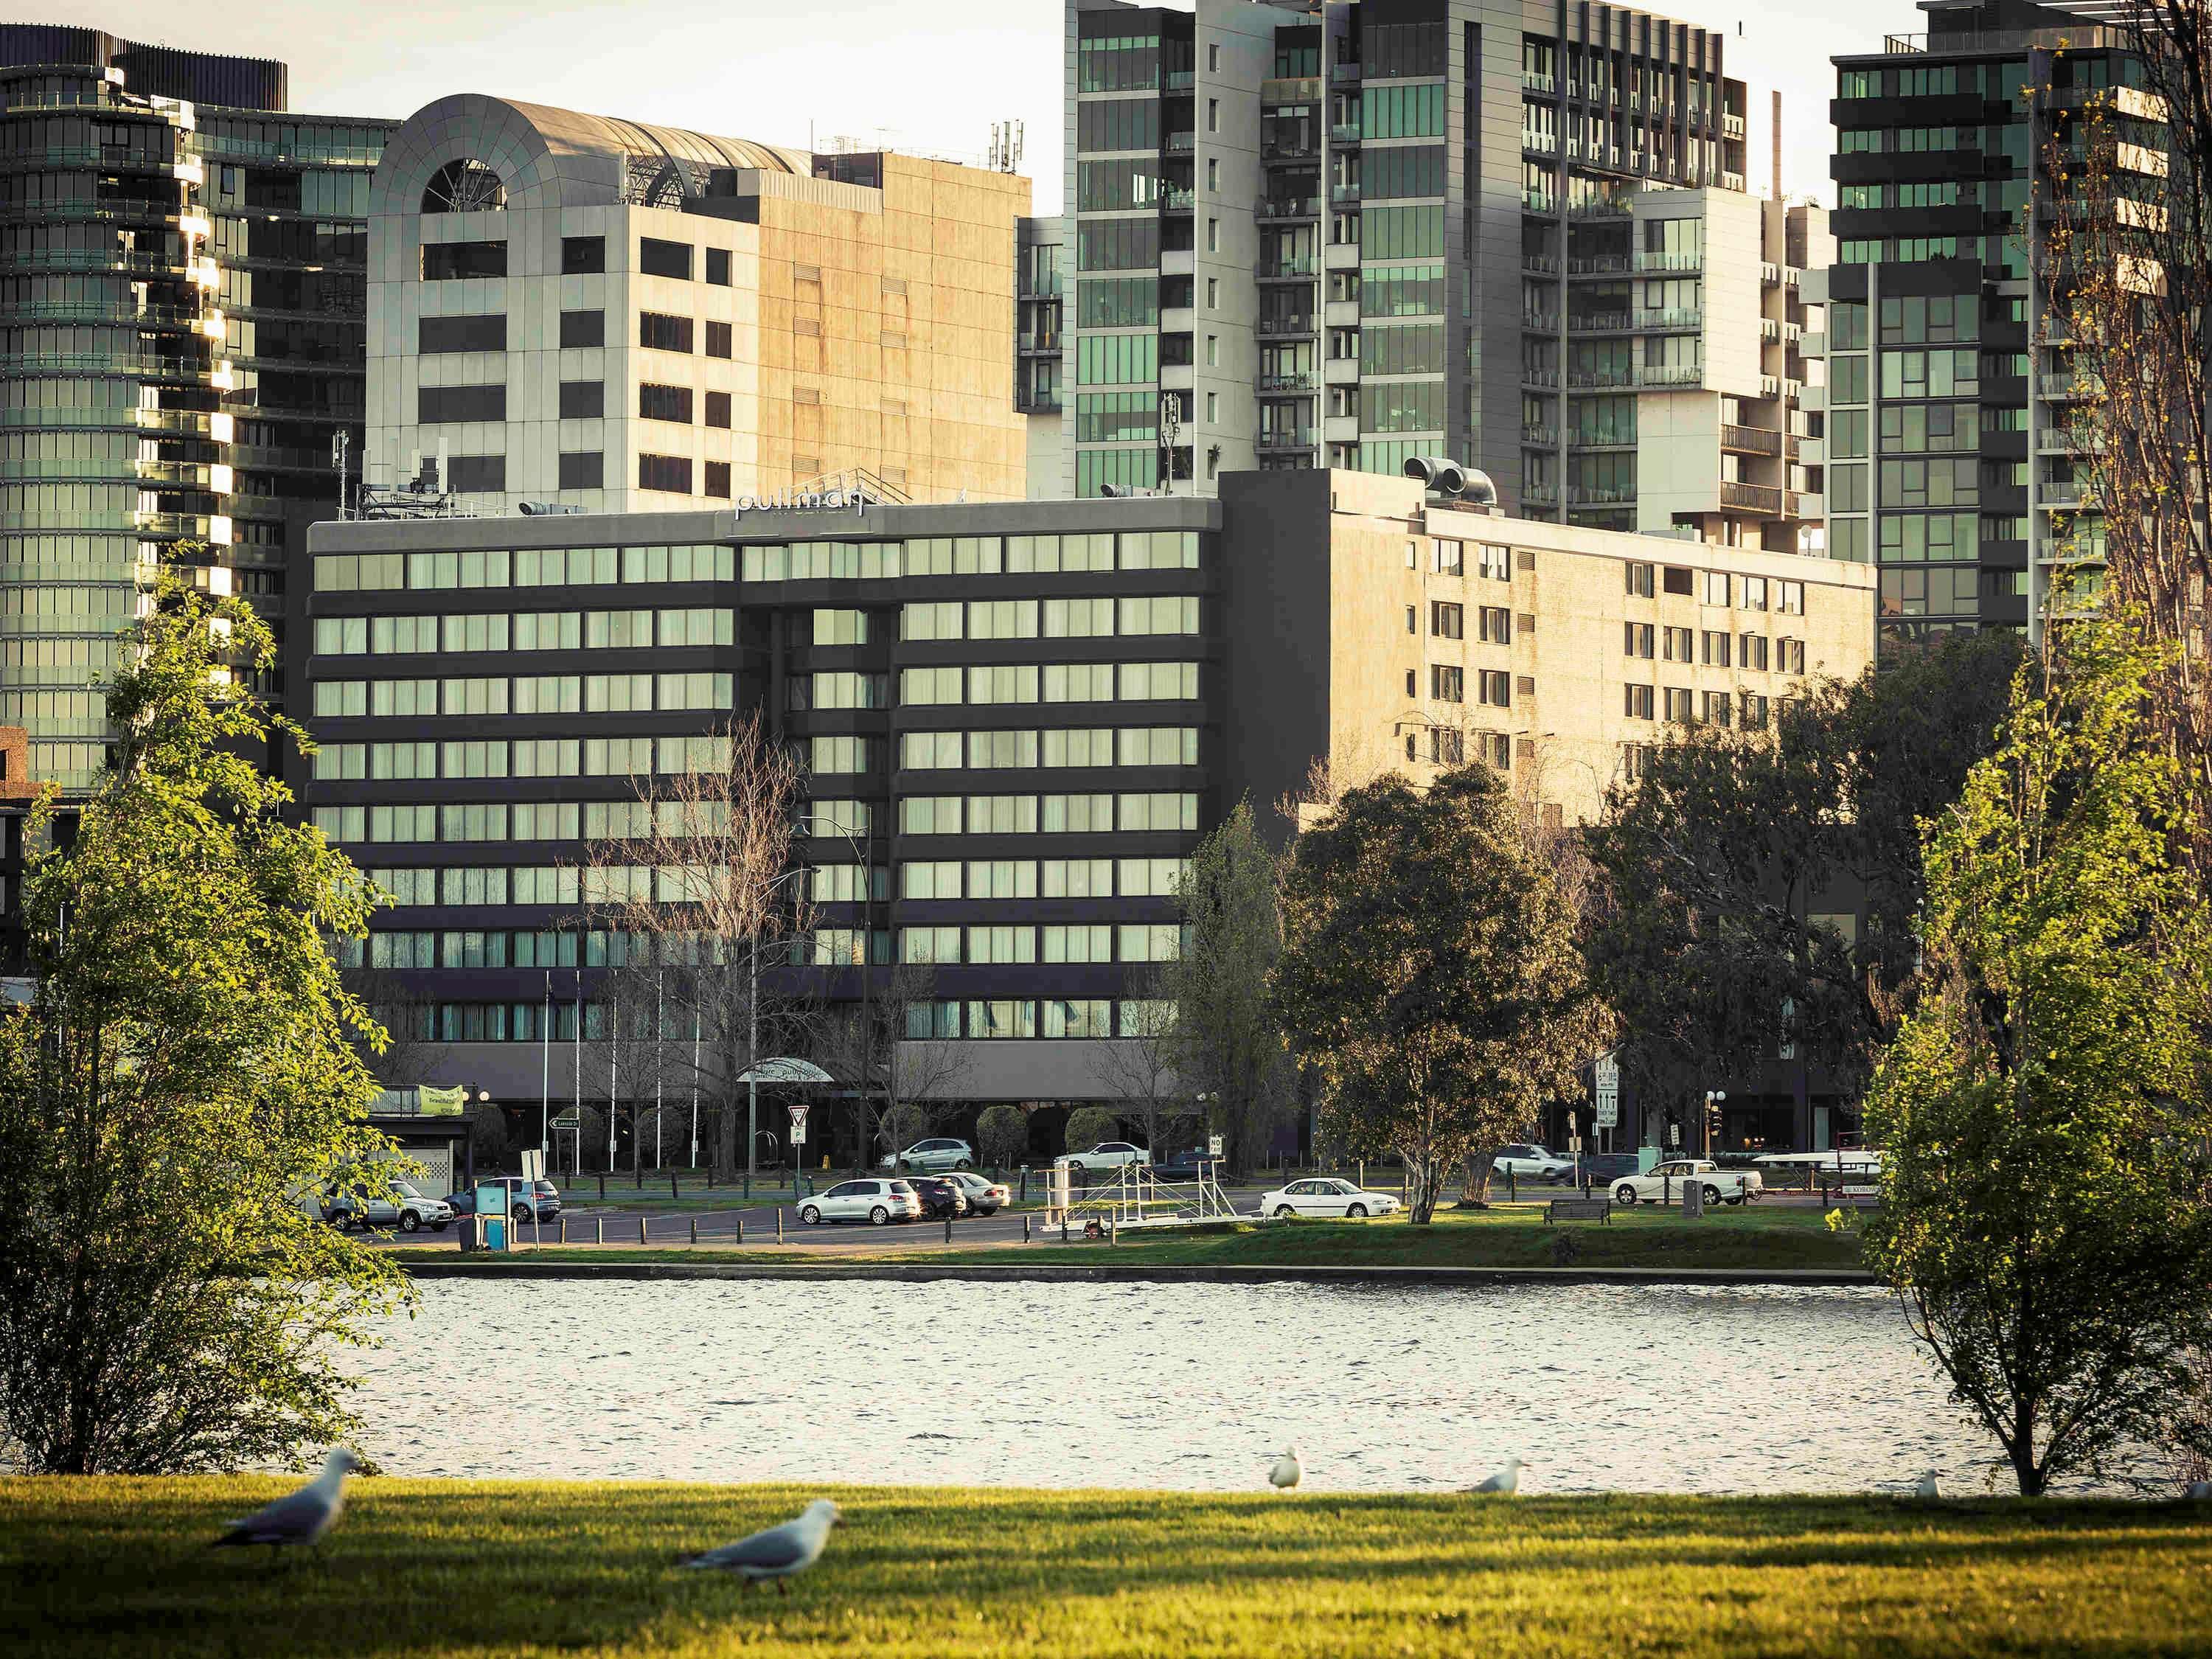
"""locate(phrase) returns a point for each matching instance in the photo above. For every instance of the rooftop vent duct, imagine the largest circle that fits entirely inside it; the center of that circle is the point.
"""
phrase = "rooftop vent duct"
(1446, 477)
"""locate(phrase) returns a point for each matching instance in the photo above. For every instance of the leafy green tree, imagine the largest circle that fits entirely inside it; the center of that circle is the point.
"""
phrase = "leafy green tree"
(2045, 1214)
(1225, 1044)
(1087, 1126)
(177, 1091)
(1002, 1135)
(1429, 976)
(1717, 865)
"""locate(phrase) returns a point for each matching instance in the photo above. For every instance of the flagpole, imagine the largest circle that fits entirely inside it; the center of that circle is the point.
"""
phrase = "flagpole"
(546, 1075)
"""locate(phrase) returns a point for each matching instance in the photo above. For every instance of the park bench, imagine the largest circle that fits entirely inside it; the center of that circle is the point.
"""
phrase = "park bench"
(1578, 1209)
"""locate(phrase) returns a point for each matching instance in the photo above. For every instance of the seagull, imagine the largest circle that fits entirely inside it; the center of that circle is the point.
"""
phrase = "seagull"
(1928, 1486)
(779, 1551)
(1285, 1475)
(303, 1516)
(2199, 1491)
(1507, 1479)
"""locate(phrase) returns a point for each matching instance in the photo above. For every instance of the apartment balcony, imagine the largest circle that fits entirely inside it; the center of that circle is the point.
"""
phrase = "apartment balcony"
(1732, 181)
(1539, 494)
(1769, 386)
(1539, 144)
(1792, 276)
(1532, 375)
(1299, 268)
(1291, 90)
(1531, 80)
(2056, 492)
(1540, 322)
(1671, 319)
(1601, 322)
(1284, 439)
(1177, 201)
(1340, 371)
(1598, 380)
(1299, 327)
(1178, 320)
(1732, 126)
(1792, 390)
(1177, 377)
(1541, 437)
(1343, 132)
(1751, 498)
(1342, 256)
(1343, 195)
(1539, 264)
(1648, 259)
(1793, 334)
(1279, 209)
(1289, 149)
(1179, 79)
(1299, 380)
(1750, 440)
(1605, 208)
(1770, 328)
(1535, 201)
(1591, 496)
(1670, 374)
(1038, 346)
(1031, 403)
(1180, 143)
(1340, 430)
(1603, 265)
(1769, 274)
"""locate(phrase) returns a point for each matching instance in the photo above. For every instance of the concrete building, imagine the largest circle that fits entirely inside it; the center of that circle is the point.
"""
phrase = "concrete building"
(1027, 714)
(620, 318)
(1339, 236)
(1947, 446)
(180, 342)
(1040, 292)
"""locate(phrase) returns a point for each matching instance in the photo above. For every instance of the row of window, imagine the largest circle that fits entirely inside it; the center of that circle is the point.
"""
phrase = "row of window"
(1717, 588)
(1683, 707)
(1051, 814)
(1051, 619)
(544, 630)
(521, 758)
(1079, 682)
(1070, 746)
(524, 693)
(1715, 648)
(1055, 942)
(535, 1022)
(972, 556)
(556, 567)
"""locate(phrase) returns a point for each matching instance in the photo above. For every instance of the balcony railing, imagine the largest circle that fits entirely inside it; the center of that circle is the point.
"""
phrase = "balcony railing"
(1599, 322)
(1177, 201)
(1603, 265)
(1536, 81)
(1282, 438)
(1669, 374)
(1343, 132)
(1289, 270)
(1535, 201)
(1750, 440)
(1344, 72)
(1671, 318)
(1599, 208)
(1298, 380)
(1288, 207)
(1732, 126)
(1750, 497)
(1284, 328)
(1046, 344)
(1539, 264)
(1542, 437)
(1533, 375)
(1179, 142)
(1179, 79)
(1653, 259)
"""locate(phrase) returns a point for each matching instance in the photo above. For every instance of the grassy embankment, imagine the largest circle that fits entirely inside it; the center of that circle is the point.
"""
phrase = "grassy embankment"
(432, 1570)
(1509, 1237)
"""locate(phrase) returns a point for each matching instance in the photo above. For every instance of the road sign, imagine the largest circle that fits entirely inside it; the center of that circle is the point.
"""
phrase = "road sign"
(1213, 1145)
(571, 1119)
(1607, 1079)
(798, 1124)
(533, 1164)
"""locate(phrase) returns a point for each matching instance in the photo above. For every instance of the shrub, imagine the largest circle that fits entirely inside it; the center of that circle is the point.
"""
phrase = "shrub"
(488, 1135)
(1089, 1125)
(1002, 1135)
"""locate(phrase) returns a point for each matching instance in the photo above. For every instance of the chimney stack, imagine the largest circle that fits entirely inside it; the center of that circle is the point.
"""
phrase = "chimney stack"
(1777, 143)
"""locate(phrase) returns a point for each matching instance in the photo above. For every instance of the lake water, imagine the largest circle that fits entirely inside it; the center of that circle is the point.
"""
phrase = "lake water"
(1191, 1386)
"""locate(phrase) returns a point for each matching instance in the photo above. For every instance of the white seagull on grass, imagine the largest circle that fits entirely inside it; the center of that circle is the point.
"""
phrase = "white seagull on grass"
(1929, 1486)
(1506, 1480)
(1287, 1473)
(780, 1552)
(303, 1516)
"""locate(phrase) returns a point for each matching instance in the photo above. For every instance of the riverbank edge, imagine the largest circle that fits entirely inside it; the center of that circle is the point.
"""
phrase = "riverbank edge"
(1156, 1273)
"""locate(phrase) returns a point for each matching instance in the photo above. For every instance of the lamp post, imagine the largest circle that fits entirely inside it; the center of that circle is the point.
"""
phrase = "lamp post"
(1713, 1098)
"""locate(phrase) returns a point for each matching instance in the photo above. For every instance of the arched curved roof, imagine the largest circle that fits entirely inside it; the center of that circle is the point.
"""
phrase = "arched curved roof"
(554, 158)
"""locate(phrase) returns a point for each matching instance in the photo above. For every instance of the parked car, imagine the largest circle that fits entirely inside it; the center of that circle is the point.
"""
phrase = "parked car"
(941, 1197)
(1529, 1162)
(938, 1154)
(1656, 1185)
(877, 1202)
(1188, 1166)
(399, 1206)
(1601, 1170)
(525, 1200)
(1326, 1196)
(984, 1197)
(1106, 1155)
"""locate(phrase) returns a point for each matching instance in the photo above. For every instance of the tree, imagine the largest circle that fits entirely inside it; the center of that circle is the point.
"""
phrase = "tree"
(1002, 1135)
(2044, 1191)
(695, 884)
(1711, 930)
(1429, 974)
(2123, 201)
(1089, 1125)
(1227, 1043)
(181, 1089)
(488, 1135)
(1140, 1065)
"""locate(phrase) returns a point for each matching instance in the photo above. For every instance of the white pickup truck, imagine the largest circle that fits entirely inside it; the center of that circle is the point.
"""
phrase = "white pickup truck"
(1665, 1180)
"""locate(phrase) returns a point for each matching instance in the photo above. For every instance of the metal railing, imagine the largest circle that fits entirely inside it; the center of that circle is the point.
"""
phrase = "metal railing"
(1753, 498)
(1752, 440)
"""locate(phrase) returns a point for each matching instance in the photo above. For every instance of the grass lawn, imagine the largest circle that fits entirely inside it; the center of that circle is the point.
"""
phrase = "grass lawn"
(1504, 1237)
(426, 1569)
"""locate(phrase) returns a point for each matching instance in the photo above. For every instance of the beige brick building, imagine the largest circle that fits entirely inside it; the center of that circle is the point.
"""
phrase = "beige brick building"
(618, 317)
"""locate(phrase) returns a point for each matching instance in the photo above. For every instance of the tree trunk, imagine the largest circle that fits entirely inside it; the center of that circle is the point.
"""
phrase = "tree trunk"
(1475, 1192)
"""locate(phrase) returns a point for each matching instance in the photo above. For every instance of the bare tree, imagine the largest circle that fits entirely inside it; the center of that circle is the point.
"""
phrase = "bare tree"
(696, 879)
(1140, 1067)
(908, 1077)
(2121, 244)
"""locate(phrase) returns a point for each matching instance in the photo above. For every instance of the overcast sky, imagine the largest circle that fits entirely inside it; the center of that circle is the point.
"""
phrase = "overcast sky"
(912, 74)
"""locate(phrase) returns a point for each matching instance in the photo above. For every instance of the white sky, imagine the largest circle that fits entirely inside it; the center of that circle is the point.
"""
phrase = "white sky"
(915, 75)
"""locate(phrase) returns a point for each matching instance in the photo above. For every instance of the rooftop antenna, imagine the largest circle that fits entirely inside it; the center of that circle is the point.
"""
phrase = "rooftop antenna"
(1005, 146)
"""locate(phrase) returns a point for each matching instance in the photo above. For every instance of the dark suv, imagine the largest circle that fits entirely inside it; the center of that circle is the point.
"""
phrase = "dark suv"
(526, 1200)
(939, 1197)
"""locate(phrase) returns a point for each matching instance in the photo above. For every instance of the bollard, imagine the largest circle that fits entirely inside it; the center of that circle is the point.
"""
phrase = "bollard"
(1111, 1232)
(694, 1230)
(779, 1225)
(603, 1189)
(1512, 1187)
(740, 1225)
(564, 1230)
(1025, 1183)
(602, 1237)
(640, 1230)
(948, 1227)
(672, 1194)
(1063, 1226)
(749, 1189)
(1026, 1229)
(1666, 1191)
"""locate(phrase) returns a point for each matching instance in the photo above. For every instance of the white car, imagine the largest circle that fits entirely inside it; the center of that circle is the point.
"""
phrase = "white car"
(401, 1207)
(928, 1155)
(1326, 1195)
(1106, 1155)
(1528, 1162)
(984, 1197)
(1664, 1182)
(877, 1202)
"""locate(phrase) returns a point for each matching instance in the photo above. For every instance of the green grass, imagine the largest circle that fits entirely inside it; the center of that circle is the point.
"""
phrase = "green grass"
(431, 1569)
(1505, 1238)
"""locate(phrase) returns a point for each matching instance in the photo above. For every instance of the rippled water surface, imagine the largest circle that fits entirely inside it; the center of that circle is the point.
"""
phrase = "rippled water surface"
(1189, 1387)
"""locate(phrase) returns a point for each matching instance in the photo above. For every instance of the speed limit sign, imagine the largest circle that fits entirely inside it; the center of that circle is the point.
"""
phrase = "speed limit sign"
(798, 1126)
